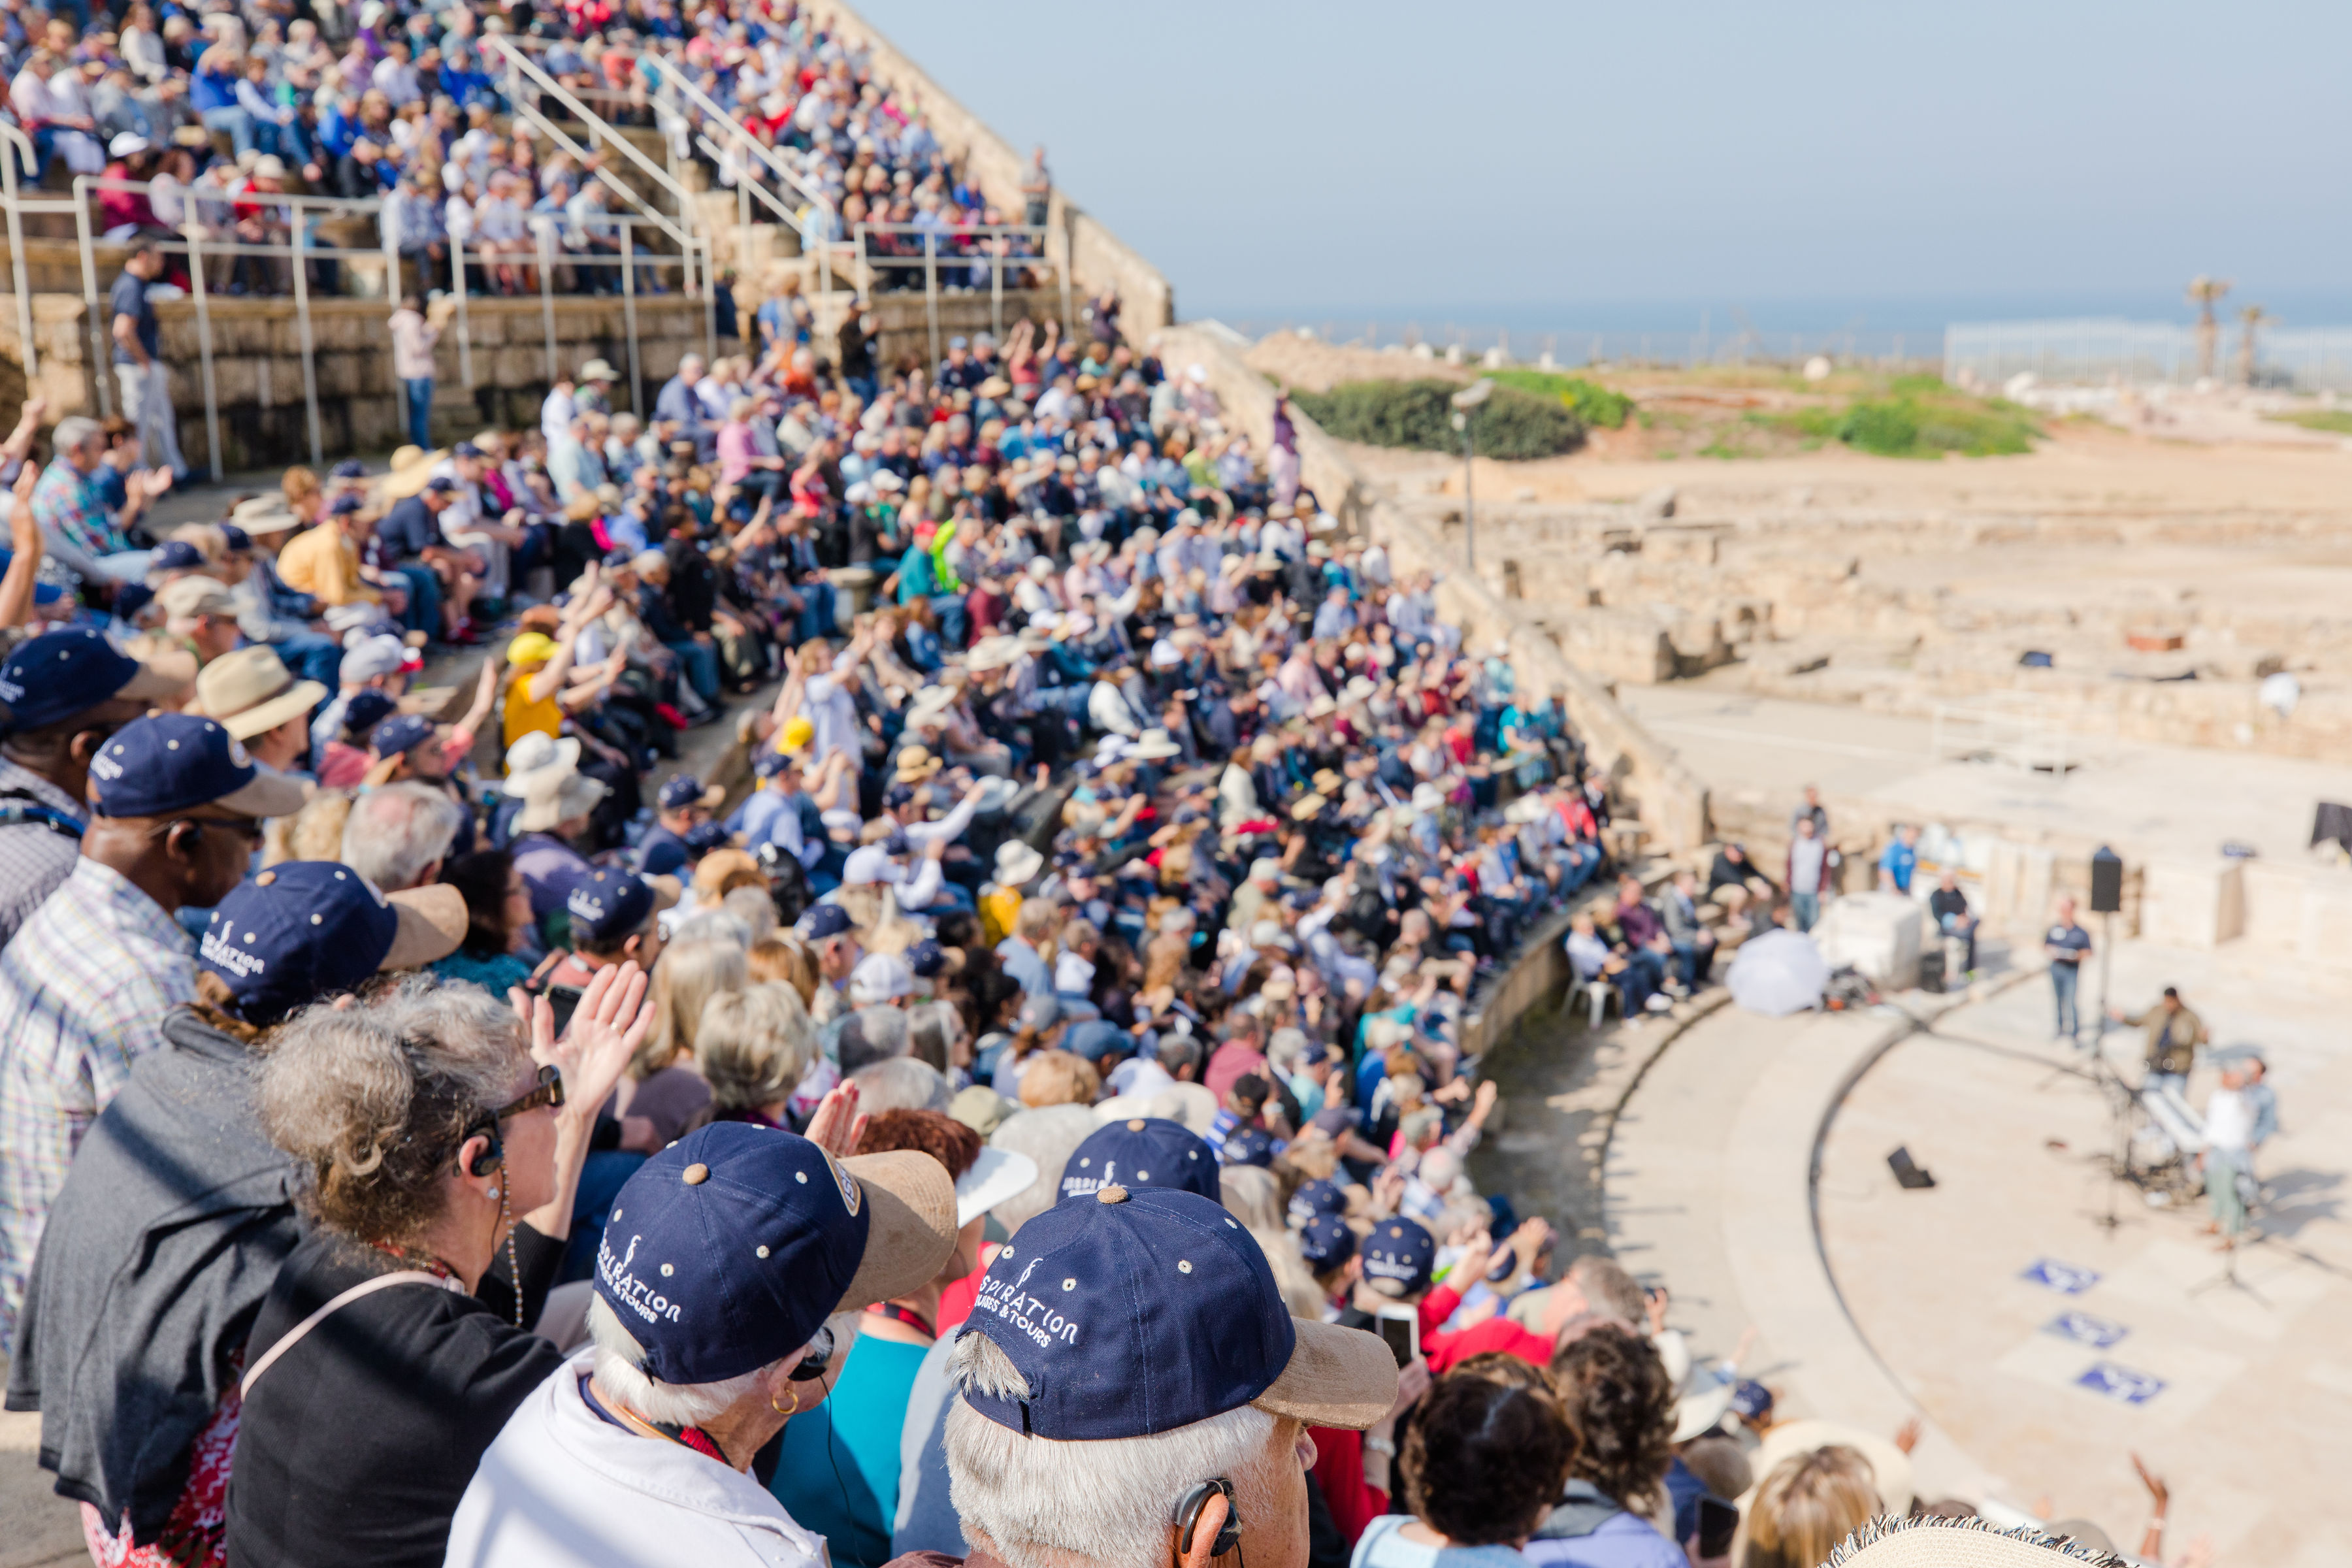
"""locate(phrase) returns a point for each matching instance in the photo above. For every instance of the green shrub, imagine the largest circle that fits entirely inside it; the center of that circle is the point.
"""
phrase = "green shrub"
(1887, 428)
(2336, 421)
(1924, 418)
(1419, 414)
(1590, 401)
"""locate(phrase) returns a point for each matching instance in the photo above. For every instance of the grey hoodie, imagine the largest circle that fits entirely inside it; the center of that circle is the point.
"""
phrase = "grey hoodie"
(153, 1263)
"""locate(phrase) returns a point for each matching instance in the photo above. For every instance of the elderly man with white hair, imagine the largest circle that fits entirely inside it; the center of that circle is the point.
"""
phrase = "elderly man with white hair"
(724, 1257)
(1088, 1434)
(397, 836)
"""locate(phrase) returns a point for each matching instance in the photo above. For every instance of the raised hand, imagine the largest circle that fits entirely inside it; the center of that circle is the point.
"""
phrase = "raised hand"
(838, 1124)
(606, 1029)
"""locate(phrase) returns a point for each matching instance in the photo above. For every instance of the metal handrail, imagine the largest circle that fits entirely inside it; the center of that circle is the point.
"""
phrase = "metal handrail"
(688, 214)
(929, 262)
(671, 78)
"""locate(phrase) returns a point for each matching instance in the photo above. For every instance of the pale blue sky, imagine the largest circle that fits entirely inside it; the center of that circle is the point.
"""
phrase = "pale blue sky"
(1504, 159)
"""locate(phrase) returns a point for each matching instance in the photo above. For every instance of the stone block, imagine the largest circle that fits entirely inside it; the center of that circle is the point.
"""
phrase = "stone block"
(2273, 895)
(349, 373)
(1619, 645)
(2193, 903)
(2327, 917)
(1878, 933)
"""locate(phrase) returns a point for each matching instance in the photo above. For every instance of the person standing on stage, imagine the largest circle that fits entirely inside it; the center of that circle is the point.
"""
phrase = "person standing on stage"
(2067, 944)
(2228, 1152)
(2174, 1033)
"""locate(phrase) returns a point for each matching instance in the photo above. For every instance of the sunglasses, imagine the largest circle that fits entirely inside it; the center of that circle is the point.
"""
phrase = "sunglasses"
(548, 1091)
(245, 827)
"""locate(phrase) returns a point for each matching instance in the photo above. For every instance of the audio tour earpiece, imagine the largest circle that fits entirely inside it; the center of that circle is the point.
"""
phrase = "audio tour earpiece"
(488, 1158)
(1188, 1515)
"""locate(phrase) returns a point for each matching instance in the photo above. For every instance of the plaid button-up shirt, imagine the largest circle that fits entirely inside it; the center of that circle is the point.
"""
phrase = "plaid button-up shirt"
(35, 859)
(68, 501)
(83, 991)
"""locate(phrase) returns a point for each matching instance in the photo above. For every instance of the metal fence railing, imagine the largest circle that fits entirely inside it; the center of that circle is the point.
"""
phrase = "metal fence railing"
(2102, 349)
(297, 267)
(730, 145)
(996, 253)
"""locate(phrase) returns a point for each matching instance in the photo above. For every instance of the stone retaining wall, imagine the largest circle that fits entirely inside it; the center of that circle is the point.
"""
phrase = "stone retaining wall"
(257, 367)
(1098, 258)
(1670, 800)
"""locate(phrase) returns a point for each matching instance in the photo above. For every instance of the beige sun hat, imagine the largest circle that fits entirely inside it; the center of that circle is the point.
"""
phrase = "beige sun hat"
(1155, 746)
(263, 514)
(433, 923)
(251, 692)
(1933, 1542)
(536, 756)
(911, 1231)
(916, 763)
(1017, 863)
(992, 653)
(186, 598)
(558, 795)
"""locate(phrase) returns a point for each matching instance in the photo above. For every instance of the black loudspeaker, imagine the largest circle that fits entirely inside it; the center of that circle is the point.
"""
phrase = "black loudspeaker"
(1908, 1172)
(2106, 882)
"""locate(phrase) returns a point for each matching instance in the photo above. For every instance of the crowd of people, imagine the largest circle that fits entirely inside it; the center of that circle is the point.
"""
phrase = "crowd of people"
(453, 1131)
(199, 116)
(1123, 850)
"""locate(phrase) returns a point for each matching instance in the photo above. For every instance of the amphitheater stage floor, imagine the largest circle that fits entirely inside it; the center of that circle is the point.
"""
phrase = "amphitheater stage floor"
(2174, 801)
(1988, 1298)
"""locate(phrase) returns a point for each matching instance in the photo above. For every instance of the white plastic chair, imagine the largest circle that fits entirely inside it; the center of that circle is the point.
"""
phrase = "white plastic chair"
(1601, 996)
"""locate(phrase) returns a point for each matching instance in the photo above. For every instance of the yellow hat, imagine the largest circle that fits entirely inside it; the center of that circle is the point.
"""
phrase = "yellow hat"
(530, 647)
(798, 734)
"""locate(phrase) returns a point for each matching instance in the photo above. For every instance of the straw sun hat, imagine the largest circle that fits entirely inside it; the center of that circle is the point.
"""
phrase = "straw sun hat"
(1933, 1542)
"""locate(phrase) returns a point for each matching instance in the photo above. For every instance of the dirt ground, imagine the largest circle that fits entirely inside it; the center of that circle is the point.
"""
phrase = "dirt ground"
(2223, 458)
(2079, 469)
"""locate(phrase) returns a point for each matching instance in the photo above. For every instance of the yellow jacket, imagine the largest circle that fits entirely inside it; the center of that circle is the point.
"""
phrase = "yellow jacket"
(322, 561)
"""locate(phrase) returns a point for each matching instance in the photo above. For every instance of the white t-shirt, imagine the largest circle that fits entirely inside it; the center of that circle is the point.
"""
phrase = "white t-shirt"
(563, 1485)
(2229, 1122)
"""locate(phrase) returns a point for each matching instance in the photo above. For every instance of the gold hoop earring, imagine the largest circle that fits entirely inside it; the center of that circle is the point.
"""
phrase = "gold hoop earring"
(779, 1409)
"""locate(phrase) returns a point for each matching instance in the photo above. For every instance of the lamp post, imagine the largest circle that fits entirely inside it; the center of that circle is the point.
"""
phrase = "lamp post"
(1465, 403)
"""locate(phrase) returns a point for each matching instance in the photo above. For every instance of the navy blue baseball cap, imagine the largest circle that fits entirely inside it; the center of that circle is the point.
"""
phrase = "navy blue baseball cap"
(684, 790)
(1325, 1243)
(308, 930)
(238, 542)
(43, 592)
(344, 505)
(366, 709)
(399, 733)
(1248, 1145)
(349, 469)
(171, 763)
(1134, 1312)
(58, 675)
(826, 921)
(1397, 1257)
(728, 1250)
(1316, 1200)
(607, 905)
(1141, 1151)
(705, 837)
(926, 958)
(176, 556)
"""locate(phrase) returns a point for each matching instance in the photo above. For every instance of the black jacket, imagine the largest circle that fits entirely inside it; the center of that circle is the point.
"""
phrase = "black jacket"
(356, 1445)
(153, 1263)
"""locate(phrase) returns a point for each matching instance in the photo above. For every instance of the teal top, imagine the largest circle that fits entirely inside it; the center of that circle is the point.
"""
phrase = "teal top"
(838, 1471)
(1384, 1544)
(494, 974)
